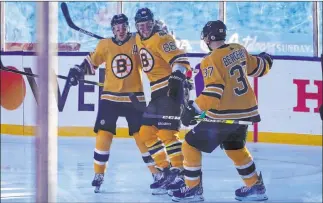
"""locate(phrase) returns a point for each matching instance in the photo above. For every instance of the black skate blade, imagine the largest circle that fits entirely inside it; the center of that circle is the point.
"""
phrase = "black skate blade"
(197, 198)
(159, 191)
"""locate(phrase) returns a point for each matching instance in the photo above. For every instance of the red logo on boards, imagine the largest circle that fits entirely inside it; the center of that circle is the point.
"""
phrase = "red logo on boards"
(303, 95)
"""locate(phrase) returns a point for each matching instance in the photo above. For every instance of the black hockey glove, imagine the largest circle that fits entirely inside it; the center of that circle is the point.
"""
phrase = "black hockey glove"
(321, 112)
(267, 57)
(75, 74)
(188, 114)
(175, 84)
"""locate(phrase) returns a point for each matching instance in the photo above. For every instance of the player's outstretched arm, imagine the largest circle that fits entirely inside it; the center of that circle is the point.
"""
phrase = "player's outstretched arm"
(88, 66)
(258, 66)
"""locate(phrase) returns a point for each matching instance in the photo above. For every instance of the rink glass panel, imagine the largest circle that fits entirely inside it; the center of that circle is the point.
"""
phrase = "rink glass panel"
(92, 16)
(184, 19)
(20, 20)
(281, 28)
(95, 17)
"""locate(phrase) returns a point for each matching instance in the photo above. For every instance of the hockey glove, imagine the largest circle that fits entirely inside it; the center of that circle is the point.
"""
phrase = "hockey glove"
(75, 74)
(321, 112)
(267, 57)
(188, 115)
(175, 84)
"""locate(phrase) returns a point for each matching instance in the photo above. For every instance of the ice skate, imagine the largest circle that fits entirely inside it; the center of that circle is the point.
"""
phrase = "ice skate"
(97, 181)
(187, 194)
(257, 192)
(177, 182)
(158, 187)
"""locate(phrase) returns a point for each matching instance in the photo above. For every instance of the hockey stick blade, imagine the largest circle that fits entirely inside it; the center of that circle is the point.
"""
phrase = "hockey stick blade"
(72, 25)
(2, 67)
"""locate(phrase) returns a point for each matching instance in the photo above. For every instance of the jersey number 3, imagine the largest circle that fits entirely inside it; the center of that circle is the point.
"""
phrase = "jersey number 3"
(238, 71)
(207, 72)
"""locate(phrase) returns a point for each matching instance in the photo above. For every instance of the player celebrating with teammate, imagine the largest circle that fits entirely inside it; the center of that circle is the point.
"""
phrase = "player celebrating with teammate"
(165, 66)
(227, 95)
(123, 76)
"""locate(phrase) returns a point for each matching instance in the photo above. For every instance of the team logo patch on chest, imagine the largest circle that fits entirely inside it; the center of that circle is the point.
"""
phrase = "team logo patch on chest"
(147, 60)
(121, 66)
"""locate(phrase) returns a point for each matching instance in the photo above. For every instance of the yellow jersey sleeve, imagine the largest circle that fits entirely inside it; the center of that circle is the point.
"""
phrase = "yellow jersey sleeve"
(213, 86)
(256, 66)
(169, 51)
(96, 58)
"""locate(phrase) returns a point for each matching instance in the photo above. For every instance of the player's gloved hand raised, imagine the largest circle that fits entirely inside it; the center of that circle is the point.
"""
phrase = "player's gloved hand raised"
(267, 57)
(175, 84)
(188, 114)
(75, 74)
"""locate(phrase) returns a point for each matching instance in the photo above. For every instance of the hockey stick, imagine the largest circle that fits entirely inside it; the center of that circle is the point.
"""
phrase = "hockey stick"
(201, 118)
(71, 24)
(2, 67)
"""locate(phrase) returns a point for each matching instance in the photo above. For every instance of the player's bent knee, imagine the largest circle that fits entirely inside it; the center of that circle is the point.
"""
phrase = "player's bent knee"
(147, 133)
(233, 145)
(191, 154)
(167, 135)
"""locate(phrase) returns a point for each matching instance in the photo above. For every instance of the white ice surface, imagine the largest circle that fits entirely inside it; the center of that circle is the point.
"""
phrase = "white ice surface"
(291, 173)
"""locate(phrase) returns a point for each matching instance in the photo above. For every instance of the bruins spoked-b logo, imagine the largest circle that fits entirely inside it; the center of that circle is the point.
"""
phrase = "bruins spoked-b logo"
(121, 66)
(147, 60)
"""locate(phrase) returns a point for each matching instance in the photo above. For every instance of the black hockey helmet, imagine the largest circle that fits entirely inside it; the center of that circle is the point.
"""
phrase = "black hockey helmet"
(144, 14)
(119, 19)
(214, 31)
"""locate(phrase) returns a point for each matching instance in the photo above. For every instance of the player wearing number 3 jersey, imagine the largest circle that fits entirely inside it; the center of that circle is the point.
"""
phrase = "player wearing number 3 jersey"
(122, 76)
(227, 95)
(165, 66)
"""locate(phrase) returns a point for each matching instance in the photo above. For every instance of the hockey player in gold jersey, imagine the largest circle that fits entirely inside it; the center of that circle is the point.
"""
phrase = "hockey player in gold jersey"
(227, 95)
(165, 66)
(122, 76)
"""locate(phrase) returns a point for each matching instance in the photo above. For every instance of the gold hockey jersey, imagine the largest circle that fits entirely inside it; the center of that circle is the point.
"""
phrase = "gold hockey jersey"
(158, 55)
(227, 93)
(123, 69)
